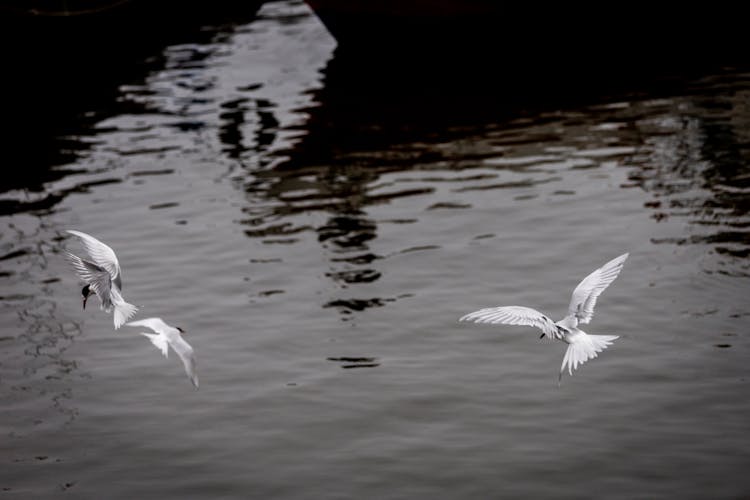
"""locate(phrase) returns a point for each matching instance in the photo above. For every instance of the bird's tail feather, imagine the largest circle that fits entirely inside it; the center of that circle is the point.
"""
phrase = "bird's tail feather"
(584, 348)
(123, 312)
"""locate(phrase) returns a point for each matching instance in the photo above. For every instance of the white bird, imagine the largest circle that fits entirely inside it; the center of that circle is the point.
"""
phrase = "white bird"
(169, 335)
(582, 346)
(103, 276)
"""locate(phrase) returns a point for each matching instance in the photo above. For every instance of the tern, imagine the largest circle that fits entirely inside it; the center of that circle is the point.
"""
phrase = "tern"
(167, 335)
(102, 276)
(581, 345)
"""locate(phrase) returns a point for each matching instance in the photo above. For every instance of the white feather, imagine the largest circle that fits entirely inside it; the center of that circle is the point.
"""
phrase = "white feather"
(581, 346)
(514, 315)
(100, 253)
(167, 334)
(98, 279)
(159, 341)
(584, 296)
(103, 275)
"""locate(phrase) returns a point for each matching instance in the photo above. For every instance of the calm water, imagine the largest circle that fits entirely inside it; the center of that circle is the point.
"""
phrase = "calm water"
(288, 228)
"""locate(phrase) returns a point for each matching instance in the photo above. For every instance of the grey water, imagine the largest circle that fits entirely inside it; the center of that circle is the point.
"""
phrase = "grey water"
(318, 255)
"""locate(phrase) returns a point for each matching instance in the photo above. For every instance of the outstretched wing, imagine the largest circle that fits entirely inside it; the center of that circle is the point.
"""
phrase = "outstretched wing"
(160, 341)
(186, 354)
(156, 324)
(584, 296)
(101, 254)
(98, 279)
(515, 315)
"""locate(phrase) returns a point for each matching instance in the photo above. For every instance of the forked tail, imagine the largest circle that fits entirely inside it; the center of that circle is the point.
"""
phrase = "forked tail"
(583, 348)
(123, 310)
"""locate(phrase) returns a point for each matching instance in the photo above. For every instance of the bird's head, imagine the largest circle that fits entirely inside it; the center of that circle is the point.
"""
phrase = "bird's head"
(85, 291)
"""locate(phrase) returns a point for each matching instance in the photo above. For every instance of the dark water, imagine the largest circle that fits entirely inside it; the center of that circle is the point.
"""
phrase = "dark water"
(318, 243)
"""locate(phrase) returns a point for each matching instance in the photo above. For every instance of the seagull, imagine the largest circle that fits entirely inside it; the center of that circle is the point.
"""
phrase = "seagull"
(581, 345)
(103, 277)
(169, 335)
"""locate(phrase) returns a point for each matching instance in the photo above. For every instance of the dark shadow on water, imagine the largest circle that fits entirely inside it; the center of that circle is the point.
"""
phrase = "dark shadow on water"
(376, 105)
(378, 113)
(705, 177)
(349, 362)
(62, 73)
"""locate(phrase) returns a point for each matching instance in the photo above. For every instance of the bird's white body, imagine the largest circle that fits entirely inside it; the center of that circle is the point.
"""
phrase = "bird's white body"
(166, 336)
(103, 275)
(581, 345)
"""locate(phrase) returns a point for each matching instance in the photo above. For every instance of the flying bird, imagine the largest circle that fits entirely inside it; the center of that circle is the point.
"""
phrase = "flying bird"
(581, 345)
(102, 276)
(167, 335)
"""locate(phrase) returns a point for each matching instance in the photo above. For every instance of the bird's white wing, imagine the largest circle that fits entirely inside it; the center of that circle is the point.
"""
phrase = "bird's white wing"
(156, 324)
(584, 296)
(102, 254)
(160, 341)
(186, 354)
(98, 279)
(514, 315)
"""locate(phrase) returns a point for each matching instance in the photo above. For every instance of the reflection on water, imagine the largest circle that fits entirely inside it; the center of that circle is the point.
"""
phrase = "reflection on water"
(305, 222)
(697, 167)
(36, 335)
(689, 150)
(62, 73)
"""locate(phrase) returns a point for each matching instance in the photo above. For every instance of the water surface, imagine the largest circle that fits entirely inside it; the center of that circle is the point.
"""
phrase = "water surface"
(318, 248)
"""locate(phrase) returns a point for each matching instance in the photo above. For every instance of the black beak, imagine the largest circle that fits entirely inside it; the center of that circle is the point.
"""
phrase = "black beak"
(541, 336)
